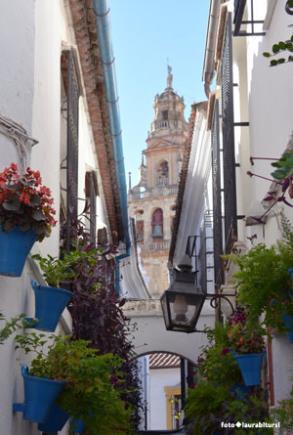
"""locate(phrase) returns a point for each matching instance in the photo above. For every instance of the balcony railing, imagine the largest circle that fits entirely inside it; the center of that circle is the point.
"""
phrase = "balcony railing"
(172, 123)
(156, 191)
(139, 195)
(160, 245)
(164, 190)
(162, 124)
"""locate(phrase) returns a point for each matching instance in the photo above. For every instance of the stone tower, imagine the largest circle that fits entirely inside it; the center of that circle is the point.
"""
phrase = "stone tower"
(152, 201)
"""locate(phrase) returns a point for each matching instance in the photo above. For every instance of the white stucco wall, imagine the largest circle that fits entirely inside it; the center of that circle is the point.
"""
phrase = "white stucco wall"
(32, 34)
(150, 334)
(263, 97)
(270, 97)
(159, 379)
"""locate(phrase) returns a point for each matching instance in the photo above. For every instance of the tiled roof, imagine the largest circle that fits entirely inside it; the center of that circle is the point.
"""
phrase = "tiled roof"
(164, 361)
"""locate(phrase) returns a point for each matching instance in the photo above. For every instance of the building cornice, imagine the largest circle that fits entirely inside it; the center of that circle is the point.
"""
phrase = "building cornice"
(84, 25)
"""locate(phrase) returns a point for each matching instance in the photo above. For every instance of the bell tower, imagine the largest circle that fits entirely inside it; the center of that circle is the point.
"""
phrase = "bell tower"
(152, 200)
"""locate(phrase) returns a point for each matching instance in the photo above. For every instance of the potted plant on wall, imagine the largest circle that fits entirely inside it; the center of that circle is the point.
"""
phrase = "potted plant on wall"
(265, 285)
(26, 215)
(51, 300)
(88, 384)
(247, 344)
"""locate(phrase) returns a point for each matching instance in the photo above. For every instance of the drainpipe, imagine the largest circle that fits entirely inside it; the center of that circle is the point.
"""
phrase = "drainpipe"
(103, 32)
(209, 61)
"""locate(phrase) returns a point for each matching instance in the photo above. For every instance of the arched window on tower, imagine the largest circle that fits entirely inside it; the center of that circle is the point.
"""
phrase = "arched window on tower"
(157, 224)
(163, 173)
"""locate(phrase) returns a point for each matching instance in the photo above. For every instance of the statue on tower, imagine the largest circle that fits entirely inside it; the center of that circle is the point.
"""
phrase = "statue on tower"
(169, 77)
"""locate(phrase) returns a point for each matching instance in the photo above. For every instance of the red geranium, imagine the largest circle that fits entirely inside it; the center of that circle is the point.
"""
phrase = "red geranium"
(25, 203)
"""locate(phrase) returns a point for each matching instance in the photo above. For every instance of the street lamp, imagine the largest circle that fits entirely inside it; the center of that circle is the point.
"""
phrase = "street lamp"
(183, 300)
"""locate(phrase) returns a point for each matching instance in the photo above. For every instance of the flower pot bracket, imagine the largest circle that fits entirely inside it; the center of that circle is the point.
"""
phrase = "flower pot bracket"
(20, 407)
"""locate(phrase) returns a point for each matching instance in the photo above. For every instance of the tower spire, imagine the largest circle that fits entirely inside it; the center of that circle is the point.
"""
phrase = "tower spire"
(169, 77)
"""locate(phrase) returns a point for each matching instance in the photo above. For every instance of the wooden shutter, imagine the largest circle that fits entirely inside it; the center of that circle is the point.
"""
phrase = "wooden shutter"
(217, 200)
(91, 191)
(73, 93)
(228, 140)
(102, 236)
(140, 231)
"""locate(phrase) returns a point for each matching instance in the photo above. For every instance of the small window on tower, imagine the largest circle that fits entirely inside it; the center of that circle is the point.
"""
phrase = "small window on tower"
(139, 231)
(163, 173)
(157, 223)
(165, 115)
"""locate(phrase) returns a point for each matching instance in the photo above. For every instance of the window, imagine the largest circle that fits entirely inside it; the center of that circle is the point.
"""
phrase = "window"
(165, 115)
(157, 223)
(163, 173)
(139, 231)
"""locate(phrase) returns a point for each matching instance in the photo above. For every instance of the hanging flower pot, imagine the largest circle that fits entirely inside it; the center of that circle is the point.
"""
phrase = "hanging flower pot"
(55, 420)
(288, 322)
(39, 396)
(26, 215)
(250, 365)
(49, 304)
(15, 247)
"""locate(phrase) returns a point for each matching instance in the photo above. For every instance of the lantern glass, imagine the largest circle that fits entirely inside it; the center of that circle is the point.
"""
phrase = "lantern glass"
(181, 309)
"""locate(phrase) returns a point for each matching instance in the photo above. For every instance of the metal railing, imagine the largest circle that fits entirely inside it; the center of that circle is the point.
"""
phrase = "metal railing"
(163, 190)
(161, 245)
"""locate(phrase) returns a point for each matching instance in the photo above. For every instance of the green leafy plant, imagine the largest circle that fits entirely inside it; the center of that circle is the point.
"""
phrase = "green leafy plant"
(284, 413)
(66, 269)
(204, 407)
(91, 392)
(264, 284)
(11, 326)
(284, 166)
(277, 49)
(209, 405)
(25, 202)
(216, 363)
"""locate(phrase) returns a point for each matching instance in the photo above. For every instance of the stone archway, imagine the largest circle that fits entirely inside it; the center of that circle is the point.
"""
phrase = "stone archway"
(150, 335)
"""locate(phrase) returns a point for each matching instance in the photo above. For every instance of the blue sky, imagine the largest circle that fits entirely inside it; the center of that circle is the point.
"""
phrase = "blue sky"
(145, 33)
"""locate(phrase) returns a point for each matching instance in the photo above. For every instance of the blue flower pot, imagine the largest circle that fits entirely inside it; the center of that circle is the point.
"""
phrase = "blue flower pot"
(250, 365)
(288, 322)
(78, 426)
(49, 303)
(55, 420)
(39, 396)
(15, 246)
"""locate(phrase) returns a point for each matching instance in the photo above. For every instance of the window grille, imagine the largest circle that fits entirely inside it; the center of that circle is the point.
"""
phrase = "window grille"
(217, 201)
